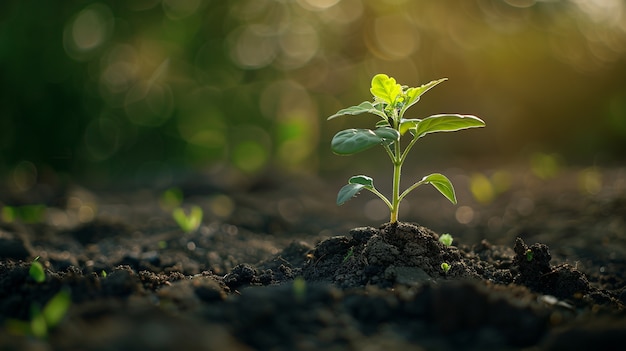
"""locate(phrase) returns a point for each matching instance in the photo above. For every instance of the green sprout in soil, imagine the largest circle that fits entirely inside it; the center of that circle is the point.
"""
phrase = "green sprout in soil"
(25, 213)
(445, 267)
(391, 101)
(36, 271)
(349, 254)
(43, 319)
(446, 239)
(299, 289)
(529, 255)
(162, 244)
(188, 223)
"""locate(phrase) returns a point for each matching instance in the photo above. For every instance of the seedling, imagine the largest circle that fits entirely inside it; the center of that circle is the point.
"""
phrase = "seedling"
(445, 267)
(26, 213)
(349, 254)
(162, 244)
(43, 319)
(391, 101)
(36, 271)
(188, 223)
(529, 255)
(299, 289)
(446, 239)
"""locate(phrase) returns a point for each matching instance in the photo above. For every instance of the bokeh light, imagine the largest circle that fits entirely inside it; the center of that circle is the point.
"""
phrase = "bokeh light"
(88, 31)
(119, 89)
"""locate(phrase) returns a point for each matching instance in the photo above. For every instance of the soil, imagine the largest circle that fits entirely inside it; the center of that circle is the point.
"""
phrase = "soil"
(278, 267)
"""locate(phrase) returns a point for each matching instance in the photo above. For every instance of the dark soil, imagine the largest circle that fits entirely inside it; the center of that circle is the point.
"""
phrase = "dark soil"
(276, 267)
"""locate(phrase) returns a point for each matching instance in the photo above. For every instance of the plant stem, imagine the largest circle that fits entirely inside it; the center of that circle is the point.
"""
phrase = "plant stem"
(409, 189)
(397, 170)
(381, 196)
(407, 149)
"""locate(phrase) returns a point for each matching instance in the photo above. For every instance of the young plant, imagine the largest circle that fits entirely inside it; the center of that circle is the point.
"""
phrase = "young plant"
(36, 271)
(188, 223)
(43, 319)
(446, 239)
(445, 267)
(299, 289)
(391, 101)
(529, 255)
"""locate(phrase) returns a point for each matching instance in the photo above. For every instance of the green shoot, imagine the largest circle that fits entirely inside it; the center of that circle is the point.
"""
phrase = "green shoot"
(445, 267)
(446, 239)
(162, 244)
(529, 255)
(188, 223)
(43, 320)
(36, 271)
(391, 101)
(25, 213)
(299, 289)
(349, 254)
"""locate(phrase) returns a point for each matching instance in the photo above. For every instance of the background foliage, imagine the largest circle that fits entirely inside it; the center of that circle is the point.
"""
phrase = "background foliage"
(107, 89)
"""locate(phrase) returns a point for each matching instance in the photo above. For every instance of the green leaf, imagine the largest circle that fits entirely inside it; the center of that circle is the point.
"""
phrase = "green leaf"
(56, 308)
(446, 239)
(347, 192)
(441, 183)
(38, 326)
(385, 88)
(364, 107)
(382, 123)
(351, 141)
(413, 94)
(408, 124)
(36, 271)
(363, 180)
(188, 223)
(446, 123)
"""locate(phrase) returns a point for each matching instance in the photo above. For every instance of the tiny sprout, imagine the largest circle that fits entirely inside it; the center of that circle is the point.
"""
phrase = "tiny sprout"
(43, 319)
(529, 255)
(446, 239)
(349, 254)
(391, 101)
(188, 223)
(299, 289)
(25, 213)
(8, 214)
(36, 271)
(162, 244)
(103, 274)
(445, 267)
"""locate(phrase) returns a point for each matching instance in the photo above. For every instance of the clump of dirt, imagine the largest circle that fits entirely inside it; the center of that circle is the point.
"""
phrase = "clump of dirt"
(394, 253)
(410, 254)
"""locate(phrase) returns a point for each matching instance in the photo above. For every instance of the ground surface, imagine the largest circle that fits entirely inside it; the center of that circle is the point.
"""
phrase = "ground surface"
(540, 265)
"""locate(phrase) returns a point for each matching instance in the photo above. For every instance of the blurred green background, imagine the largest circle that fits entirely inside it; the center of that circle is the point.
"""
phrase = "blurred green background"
(107, 90)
